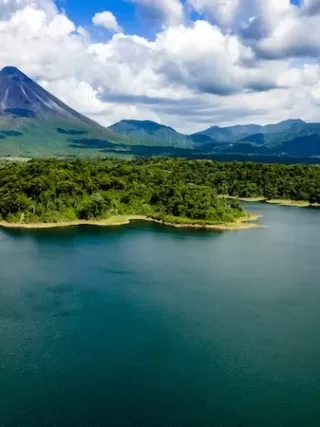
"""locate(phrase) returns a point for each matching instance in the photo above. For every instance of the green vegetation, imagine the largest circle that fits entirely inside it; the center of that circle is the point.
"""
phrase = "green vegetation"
(51, 191)
(145, 132)
(171, 190)
(43, 139)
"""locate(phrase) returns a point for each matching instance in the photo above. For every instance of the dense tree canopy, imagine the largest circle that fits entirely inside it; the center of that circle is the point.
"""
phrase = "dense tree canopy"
(62, 190)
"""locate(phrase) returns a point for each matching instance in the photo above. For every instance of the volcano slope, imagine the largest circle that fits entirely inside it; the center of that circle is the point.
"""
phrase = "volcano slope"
(35, 123)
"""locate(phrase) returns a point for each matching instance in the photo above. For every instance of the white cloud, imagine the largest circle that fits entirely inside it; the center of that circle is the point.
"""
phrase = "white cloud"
(107, 20)
(237, 67)
(293, 37)
(273, 28)
(279, 29)
(204, 59)
(311, 6)
(219, 11)
(8, 7)
(163, 11)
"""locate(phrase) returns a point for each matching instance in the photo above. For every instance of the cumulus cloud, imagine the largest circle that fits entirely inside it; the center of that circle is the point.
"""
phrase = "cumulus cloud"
(293, 37)
(311, 6)
(107, 20)
(273, 28)
(280, 29)
(168, 12)
(221, 12)
(233, 64)
(7, 7)
(204, 59)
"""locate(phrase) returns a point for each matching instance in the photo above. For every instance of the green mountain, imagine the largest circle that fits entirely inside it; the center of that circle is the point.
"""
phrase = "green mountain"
(240, 132)
(145, 132)
(33, 122)
(229, 134)
(294, 138)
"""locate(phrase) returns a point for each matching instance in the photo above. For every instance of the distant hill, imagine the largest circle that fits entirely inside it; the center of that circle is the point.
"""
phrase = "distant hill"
(256, 138)
(151, 133)
(291, 126)
(307, 146)
(238, 132)
(289, 138)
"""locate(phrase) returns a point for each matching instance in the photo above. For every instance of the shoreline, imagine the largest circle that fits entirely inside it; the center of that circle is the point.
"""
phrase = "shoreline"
(247, 222)
(279, 202)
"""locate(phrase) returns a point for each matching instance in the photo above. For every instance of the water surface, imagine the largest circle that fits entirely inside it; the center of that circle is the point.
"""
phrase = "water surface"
(147, 326)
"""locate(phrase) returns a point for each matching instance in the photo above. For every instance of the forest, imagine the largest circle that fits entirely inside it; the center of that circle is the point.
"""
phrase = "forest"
(175, 190)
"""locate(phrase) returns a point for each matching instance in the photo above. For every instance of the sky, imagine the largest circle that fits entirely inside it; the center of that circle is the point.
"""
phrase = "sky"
(189, 64)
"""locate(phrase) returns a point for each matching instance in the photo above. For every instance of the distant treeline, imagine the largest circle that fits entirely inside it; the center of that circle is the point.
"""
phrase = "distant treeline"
(65, 190)
(245, 179)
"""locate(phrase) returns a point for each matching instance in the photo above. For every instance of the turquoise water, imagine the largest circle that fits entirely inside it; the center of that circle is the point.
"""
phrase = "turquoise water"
(148, 326)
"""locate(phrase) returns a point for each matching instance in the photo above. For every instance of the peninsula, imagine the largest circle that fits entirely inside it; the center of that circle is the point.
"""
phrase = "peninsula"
(107, 192)
(45, 193)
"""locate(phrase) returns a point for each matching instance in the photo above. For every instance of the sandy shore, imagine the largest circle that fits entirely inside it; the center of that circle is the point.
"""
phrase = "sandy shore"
(112, 221)
(246, 199)
(280, 202)
(294, 203)
(240, 224)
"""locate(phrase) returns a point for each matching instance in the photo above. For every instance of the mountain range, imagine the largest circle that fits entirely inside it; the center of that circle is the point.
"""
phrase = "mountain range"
(33, 122)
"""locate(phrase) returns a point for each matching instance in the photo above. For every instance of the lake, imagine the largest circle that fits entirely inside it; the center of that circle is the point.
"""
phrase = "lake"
(145, 325)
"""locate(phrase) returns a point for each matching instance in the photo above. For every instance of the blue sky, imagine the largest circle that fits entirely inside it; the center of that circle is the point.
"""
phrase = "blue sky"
(81, 12)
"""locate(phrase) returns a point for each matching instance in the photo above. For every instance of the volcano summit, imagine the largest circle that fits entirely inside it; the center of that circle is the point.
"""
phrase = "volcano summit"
(21, 97)
(34, 122)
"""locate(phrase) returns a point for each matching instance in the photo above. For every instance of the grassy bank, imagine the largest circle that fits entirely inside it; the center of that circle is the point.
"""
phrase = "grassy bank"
(176, 222)
(280, 202)
(293, 203)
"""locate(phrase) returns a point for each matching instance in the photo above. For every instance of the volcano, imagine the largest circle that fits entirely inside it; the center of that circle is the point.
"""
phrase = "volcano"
(34, 122)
